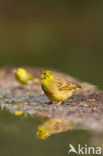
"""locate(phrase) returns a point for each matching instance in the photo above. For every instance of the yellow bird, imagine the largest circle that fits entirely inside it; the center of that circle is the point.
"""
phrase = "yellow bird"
(52, 126)
(56, 89)
(23, 76)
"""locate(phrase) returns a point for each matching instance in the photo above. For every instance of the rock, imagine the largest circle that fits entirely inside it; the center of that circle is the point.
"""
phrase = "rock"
(84, 109)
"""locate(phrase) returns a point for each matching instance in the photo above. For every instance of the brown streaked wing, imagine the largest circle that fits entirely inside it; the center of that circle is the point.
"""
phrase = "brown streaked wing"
(66, 85)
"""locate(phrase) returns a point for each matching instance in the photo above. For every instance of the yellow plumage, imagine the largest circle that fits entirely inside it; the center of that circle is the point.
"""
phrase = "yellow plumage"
(23, 76)
(57, 89)
(52, 126)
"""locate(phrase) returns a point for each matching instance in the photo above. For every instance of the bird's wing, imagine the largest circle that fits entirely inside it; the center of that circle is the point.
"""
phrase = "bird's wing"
(66, 85)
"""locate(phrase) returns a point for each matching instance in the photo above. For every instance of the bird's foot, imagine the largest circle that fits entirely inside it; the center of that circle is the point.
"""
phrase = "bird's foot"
(50, 102)
(59, 103)
(55, 104)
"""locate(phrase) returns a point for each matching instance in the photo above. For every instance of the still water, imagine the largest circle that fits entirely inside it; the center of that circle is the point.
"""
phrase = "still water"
(63, 35)
(19, 136)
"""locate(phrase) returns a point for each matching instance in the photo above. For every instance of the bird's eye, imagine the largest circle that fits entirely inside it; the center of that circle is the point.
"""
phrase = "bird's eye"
(44, 73)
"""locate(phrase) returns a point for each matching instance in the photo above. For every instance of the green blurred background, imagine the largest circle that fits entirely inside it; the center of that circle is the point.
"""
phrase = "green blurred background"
(65, 35)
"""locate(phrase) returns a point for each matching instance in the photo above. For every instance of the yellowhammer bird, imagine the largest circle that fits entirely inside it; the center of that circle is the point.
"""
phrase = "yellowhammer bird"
(52, 126)
(24, 77)
(57, 89)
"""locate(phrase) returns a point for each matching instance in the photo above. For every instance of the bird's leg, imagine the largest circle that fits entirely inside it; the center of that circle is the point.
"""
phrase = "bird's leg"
(59, 103)
(50, 102)
(54, 104)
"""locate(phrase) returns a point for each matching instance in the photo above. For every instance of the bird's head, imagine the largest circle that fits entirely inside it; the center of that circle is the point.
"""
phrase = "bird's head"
(20, 72)
(42, 133)
(47, 75)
